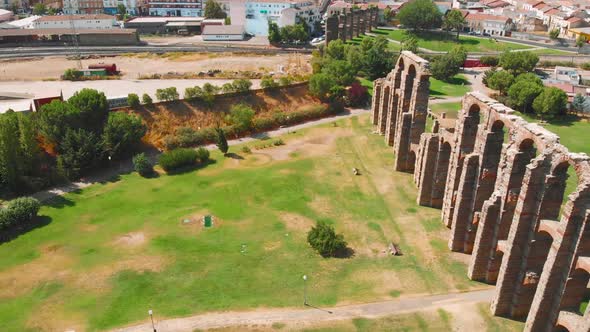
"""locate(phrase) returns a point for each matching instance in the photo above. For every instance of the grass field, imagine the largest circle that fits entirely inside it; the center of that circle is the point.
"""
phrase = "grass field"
(445, 42)
(113, 250)
(395, 47)
(451, 110)
(457, 87)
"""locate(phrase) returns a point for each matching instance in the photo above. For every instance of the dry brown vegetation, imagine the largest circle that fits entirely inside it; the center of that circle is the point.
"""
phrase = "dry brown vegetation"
(165, 118)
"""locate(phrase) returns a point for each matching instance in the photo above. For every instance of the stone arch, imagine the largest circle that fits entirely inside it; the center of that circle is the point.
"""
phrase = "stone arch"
(576, 289)
(440, 173)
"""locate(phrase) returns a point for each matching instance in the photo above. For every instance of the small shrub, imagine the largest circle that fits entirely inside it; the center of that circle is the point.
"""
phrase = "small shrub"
(489, 60)
(133, 100)
(323, 238)
(242, 85)
(246, 149)
(72, 74)
(285, 80)
(146, 99)
(167, 94)
(268, 83)
(585, 66)
(278, 142)
(19, 212)
(202, 155)
(142, 165)
(221, 141)
(177, 158)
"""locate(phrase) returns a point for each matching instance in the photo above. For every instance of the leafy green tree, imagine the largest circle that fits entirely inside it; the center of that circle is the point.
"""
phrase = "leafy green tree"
(242, 85)
(10, 156)
(121, 9)
(39, 9)
(274, 34)
(227, 21)
(388, 15)
(29, 147)
(209, 92)
(167, 94)
(72, 74)
(241, 116)
(53, 120)
(93, 108)
(420, 15)
(122, 134)
(221, 141)
(336, 50)
(355, 57)
(489, 60)
(192, 93)
(550, 102)
(285, 80)
(530, 77)
(519, 62)
(410, 43)
(213, 10)
(133, 100)
(323, 238)
(554, 34)
(445, 67)
(459, 55)
(142, 165)
(579, 103)
(501, 81)
(268, 83)
(454, 20)
(80, 150)
(146, 99)
(225, 88)
(580, 42)
(342, 72)
(320, 85)
(51, 11)
(523, 92)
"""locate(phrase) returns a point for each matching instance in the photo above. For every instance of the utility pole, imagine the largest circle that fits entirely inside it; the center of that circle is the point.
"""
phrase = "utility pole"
(75, 43)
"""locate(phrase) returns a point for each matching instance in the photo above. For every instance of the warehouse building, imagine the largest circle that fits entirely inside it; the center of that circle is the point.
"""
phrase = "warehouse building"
(86, 37)
(224, 33)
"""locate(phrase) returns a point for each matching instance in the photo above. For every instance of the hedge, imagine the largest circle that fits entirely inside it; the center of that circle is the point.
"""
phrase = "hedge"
(177, 158)
(19, 212)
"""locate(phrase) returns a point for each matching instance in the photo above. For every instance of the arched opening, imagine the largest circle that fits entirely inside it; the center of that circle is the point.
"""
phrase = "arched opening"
(577, 294)
(562, 178)
(408, 88)
(494, 266)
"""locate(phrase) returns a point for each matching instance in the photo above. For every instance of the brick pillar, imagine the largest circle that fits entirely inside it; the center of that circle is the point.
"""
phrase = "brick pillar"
(440, 175)
(331, 27)
(419, 107)
(374, 17)
(484, 239)
(376, 100)
(429, 154)
(392, 119)
(362, 22)
(342, 27)
(355, 23)
(520, 236)
(403, 162)
(349, 25)
(545, 305)
(465, 195)
(367, 15)
(384, 104)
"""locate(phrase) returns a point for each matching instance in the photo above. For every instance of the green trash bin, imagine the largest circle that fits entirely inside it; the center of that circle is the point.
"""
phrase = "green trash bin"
(208, 221)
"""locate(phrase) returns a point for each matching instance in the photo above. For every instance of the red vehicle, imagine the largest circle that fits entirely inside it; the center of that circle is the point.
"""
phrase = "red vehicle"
(110, 68)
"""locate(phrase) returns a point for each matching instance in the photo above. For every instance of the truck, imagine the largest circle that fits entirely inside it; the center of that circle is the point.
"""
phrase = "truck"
(110, 68)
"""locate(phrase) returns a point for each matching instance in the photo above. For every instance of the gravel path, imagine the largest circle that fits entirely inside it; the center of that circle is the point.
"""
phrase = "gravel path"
(310, 314)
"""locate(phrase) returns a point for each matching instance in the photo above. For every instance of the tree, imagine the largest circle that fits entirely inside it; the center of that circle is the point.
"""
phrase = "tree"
(241, 116)
(454, 19)
(146, 99)
(518, 62)
(209, 92)
(72, 74)
(268, 83)
(213, 10)
(29, 147)
(10, 159)
(79, 151)
(274, 35)
(323, 238)
(501, 81)
(410, 43)
(227, 21)
(579, 103)
(51, 11)
(336, 50)
(242, 85)
(445, 67)
(93, 108)
(489, 60)
(39, 9)
(142, 165)
(221, 141)
(342, 72)
(550, 102)
(122, 134)
(388, 15)
(133, 100)
(420, 15)
(378, 60)
(554, 34)
(320, 85)
(53, 120)
(523, 92)
(167, 94)
(121, 9)
(580, 42)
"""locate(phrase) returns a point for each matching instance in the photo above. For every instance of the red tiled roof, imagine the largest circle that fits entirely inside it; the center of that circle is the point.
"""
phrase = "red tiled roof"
(552, 11)
(497, 4)
(574, 19)
(565, 87)
(486, 17)
(54, 18)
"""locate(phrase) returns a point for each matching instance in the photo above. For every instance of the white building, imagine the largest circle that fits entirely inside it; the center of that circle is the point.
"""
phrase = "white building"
(175, 8)
(98, 21)
(110, 6)
(223, 32)
(259, 12)
(25, 23)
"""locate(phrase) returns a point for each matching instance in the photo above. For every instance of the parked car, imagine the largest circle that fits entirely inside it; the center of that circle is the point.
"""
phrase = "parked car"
(485, 34)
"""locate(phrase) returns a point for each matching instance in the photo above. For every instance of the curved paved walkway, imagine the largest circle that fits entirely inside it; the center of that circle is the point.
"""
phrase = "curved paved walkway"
(311, 314)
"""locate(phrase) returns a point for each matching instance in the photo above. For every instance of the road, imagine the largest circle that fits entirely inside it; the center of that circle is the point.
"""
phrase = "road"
(24, 52)
(309, 315)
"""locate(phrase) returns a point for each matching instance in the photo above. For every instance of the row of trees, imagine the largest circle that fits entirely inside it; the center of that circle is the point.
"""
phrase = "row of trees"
(521, 89)
(421, 15)
(65, 139)
(288, 34)
(338, 65)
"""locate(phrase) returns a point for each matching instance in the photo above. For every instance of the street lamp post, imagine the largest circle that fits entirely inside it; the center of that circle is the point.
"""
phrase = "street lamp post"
(151, 313)
(304, 289)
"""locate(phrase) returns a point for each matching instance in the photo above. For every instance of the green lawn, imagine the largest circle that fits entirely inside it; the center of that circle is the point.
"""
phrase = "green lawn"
(395, 47)
(457, 87)
(114, 250)
(436, 41)
(451, 110)
(548, 51)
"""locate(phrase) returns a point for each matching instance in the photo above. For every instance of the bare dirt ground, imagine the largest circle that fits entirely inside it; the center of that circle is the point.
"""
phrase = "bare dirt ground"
(132, 66)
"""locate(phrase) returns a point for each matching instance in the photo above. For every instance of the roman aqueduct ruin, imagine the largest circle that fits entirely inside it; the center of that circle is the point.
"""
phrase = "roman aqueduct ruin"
(500, 182)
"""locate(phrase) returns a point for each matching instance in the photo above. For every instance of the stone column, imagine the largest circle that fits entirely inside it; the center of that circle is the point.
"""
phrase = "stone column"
(362, 21)
(384, 112)
(403, 162)
(440, 175)
(332, 28)
(465, 195)
(429, 154)
(342, 33)
(355, 23)
(392, 118)
(376, 100)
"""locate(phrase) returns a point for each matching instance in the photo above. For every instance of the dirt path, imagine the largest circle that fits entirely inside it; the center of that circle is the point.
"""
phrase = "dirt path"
(127, 166)
(311, 315)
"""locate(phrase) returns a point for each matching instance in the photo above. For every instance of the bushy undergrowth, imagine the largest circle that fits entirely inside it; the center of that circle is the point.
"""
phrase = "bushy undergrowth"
(18, 212)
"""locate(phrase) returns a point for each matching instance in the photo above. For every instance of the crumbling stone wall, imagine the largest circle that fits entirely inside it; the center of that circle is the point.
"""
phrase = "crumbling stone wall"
(500, 182)
(347, 24)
